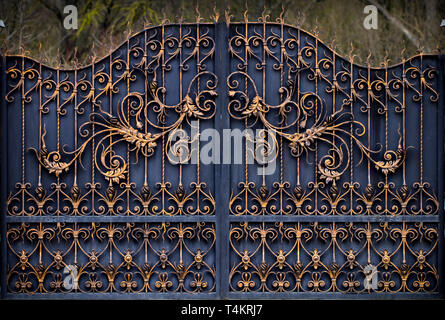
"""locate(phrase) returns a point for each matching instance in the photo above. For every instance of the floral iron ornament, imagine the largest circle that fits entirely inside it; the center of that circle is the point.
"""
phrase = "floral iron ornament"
(113, 166)
(324, 128)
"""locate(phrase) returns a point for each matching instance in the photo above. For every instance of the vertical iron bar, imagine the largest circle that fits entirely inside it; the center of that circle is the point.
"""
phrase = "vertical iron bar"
(4, 171)
(222, 171)
(440, 171)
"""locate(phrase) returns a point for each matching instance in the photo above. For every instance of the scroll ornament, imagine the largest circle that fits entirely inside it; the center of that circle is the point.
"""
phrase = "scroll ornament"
(110, 130)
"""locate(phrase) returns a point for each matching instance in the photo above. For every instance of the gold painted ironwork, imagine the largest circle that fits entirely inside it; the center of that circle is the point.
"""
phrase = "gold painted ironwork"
(321, 108)
(128, 123)
(282, 257)
(126, 257)
(120, 126)
(321, 95)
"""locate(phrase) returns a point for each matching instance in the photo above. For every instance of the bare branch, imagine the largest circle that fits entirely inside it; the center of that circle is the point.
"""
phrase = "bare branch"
(411, 37)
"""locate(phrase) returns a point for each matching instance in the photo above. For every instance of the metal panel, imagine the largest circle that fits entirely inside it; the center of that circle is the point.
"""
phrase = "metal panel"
(349, 184)
(94, 178)
(91, 183)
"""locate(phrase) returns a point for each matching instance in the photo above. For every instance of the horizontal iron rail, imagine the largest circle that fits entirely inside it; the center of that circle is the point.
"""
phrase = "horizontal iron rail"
(115, 295)
(230, 296)
(335, 218)
(115, 219)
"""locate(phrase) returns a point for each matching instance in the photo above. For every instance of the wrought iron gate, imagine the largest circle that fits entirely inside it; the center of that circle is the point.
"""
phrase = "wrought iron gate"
(352, 185)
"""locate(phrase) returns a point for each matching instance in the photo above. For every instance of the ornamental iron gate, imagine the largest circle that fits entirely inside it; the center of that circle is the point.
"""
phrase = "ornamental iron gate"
(92, 194)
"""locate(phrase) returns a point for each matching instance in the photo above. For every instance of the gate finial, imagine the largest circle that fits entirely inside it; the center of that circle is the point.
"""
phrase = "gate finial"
(316, 28)
(246, 19)
(215, 16)
(385, 61)
(299, 19)
(280, 19)
(402, 54)
(228, 15)
(198, 14)
(368, 58)
(351, 55)
(264, 16)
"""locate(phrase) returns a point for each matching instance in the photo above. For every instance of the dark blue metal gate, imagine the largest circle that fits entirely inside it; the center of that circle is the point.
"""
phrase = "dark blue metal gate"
(104, 194)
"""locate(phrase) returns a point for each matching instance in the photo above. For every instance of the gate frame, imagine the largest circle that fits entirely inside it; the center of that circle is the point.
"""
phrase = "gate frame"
(222, 217)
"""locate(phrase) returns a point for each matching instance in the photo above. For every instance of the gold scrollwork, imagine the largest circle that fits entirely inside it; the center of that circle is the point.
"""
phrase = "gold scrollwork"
(332, 165)
(127, 257)
(201, 107)
(347, 118)
(333, 257)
